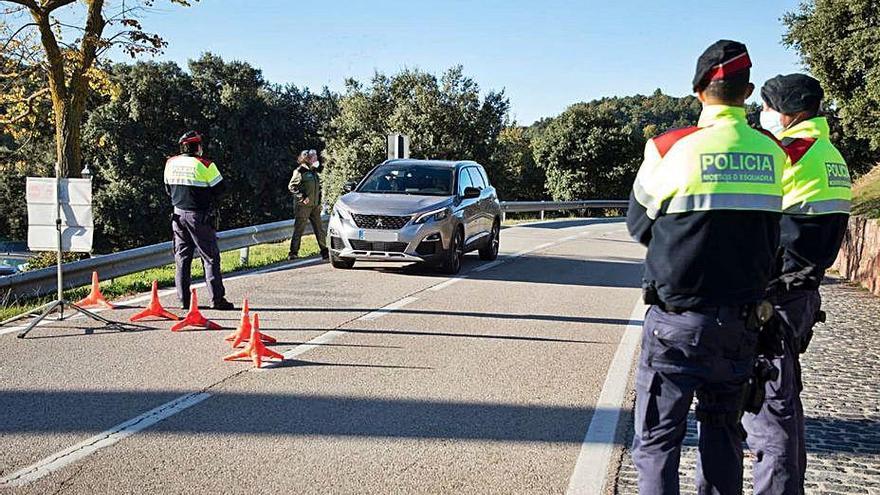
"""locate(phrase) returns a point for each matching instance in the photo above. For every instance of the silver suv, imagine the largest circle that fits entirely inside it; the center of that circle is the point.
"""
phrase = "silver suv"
(416, 210)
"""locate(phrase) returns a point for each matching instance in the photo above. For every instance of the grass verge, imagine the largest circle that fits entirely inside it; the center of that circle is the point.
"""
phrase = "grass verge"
(866, 194)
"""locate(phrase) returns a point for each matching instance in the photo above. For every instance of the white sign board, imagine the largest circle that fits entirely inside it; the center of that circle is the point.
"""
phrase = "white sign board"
(77, 219)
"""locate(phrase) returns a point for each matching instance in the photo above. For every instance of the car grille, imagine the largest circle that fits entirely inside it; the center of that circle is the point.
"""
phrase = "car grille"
(384, 222)
(336, 243)
(388, 247)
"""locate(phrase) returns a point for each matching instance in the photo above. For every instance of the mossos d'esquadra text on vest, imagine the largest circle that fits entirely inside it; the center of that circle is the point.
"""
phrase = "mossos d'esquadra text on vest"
(738, 167)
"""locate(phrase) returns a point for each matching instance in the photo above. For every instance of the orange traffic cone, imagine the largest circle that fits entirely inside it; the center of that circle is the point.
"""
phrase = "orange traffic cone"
(245, 326)
(255, 349)
(194, 317)
(155, 308)
(243, 333)
(95, 298)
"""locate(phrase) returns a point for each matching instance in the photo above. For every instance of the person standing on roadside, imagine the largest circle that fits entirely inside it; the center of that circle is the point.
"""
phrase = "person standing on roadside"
(816, 204)
(305, 184)
(706, 202)
(194, 184)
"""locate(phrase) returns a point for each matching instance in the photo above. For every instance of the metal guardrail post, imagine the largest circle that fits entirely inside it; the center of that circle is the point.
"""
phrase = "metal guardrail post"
(244, 255)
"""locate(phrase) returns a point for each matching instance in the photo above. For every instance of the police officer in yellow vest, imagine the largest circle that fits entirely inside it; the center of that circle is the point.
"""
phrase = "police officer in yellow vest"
(707, 203)
(816, 205)
(194, 183)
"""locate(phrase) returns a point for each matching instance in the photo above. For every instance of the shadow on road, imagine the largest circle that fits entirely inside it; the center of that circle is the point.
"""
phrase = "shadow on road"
(424, 333)
(568, 223)
(40, 412)
(609, 271)
(36, 412)
(469, 314)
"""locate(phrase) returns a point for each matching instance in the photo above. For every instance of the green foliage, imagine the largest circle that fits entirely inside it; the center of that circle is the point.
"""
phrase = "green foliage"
(253, 130)
(512, 168)
(593, 150)
(445, 118)
(839, 41)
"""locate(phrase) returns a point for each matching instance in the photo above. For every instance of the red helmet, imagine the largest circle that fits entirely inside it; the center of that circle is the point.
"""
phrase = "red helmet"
(191, 143)
(190, 138)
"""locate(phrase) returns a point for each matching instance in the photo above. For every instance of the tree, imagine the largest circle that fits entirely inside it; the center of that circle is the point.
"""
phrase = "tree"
(593, 150)
(253, 130)
(68, 68)
(446, 118)
(514, 172)
(587, 154)
(838, 41)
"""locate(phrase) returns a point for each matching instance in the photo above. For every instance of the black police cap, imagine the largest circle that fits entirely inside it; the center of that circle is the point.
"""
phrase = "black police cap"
(720, 61)
(792, 93)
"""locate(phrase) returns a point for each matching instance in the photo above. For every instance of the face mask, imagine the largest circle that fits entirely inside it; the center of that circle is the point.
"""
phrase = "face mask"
(771, 120)
(316, 165)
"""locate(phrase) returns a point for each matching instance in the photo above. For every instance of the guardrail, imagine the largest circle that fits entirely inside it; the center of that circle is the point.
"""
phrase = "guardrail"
(78, 273)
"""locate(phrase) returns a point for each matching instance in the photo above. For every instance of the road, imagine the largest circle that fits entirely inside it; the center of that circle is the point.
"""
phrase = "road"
(399, 380)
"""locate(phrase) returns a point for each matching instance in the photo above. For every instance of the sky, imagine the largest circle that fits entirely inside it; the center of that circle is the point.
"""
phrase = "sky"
(545, 55)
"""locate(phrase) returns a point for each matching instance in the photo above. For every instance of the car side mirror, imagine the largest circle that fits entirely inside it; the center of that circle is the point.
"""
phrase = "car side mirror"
(349, 186)
(471, 192)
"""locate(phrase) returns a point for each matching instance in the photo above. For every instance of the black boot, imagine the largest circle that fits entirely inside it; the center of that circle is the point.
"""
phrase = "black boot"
(223, 305)
(325, 253)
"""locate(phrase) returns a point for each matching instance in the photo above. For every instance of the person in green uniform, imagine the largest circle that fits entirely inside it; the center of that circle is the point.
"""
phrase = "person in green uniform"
(305, 184)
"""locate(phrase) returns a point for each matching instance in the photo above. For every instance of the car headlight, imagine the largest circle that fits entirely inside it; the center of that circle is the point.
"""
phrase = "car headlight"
(432, 216)
(341, 212)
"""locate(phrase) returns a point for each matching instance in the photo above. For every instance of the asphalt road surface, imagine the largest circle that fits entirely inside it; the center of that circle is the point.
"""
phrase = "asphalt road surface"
(398, 380)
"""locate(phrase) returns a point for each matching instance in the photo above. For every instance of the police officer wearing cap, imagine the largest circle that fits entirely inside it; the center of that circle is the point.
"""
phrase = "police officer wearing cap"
(194, 183)
(707, 204)
(816, 205)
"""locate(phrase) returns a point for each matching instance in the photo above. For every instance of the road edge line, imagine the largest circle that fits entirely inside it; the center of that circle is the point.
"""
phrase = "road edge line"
(591, 469)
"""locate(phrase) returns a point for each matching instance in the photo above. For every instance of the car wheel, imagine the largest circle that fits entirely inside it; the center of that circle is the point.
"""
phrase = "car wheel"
(452, 263)
(342, 263)
(490, 252)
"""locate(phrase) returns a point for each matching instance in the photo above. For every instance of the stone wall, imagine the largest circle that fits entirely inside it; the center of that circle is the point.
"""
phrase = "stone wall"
(859, 257)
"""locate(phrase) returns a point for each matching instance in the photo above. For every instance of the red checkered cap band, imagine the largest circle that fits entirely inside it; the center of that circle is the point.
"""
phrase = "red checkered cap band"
(193, 139)
(736, 64)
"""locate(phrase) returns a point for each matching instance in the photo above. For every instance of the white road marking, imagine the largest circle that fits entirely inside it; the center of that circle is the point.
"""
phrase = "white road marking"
(592, 462)
(106, 438)
(168, 292)
(387, 309)
(446, 284)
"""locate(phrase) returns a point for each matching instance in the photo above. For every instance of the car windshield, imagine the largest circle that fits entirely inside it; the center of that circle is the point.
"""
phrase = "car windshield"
(409, 179)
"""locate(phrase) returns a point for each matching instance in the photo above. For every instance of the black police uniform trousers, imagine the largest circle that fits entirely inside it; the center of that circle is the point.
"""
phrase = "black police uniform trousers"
(193, 233)
(776, 433)
(310, 213)
(707, 352)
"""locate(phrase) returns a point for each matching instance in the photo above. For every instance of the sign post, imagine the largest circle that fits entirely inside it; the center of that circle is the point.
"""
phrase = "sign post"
(398, 146)
(59, 219)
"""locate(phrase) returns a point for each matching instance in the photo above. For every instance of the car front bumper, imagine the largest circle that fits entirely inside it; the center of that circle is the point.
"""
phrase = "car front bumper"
(423, 242)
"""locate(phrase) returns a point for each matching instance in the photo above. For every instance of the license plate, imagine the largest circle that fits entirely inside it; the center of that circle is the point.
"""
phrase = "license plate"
(377, 235)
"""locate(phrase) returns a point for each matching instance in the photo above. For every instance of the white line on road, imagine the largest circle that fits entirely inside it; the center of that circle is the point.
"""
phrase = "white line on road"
(104, 439)
(446, 284)
(387, 309)
(592, 463)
